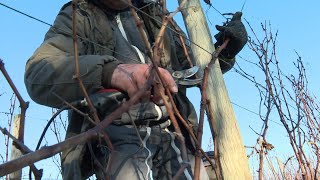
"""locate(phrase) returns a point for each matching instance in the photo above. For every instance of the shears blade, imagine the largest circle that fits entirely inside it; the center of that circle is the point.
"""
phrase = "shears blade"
(181, 77)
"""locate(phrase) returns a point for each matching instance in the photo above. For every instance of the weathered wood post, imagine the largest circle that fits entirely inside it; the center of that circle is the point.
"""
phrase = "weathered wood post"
(15, 152)
(232, 155)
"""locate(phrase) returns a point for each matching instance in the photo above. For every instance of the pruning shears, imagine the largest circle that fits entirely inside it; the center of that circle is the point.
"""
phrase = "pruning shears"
(182, 77)
(105, 96)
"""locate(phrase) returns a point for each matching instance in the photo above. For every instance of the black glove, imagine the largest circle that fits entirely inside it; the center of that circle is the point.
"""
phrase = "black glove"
(236, 32)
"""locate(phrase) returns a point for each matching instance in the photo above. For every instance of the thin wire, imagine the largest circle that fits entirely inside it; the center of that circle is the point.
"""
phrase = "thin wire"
(256, 83)
(218, 11)
(25, 14)
(255, 113)
(137, 9)
(142, 12)
(208, 2)
(244, 3)
(70, 33)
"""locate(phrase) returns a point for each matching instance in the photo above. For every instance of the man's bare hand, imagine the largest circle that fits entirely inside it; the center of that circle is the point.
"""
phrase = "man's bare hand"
(131, 78)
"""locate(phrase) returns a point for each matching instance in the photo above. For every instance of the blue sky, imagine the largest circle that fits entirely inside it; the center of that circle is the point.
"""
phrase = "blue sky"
(295, 22)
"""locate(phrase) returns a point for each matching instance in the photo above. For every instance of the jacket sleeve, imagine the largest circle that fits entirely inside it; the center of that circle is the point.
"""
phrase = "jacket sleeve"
(51, 68)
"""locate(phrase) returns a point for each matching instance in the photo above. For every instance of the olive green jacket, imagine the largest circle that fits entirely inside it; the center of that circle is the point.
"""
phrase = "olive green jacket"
(51, 68)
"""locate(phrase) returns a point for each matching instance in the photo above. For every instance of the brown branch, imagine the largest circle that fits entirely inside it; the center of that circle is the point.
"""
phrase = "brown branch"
(49, 151)
(155, 61)
(10, 120)
(24, 150)
(297, 146)
(141, 30)
(162, 30)
(204, 105)
(190, 131)
(217, 167)
(198, 145)
(175, 124)
(186, 54)
(37, 173)
(71, 105)
(23, 104)
(106, 138)
(264, 134)
(96, 161)
(45, 152)
(201, 121)
(300, 129)
(93, 110)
